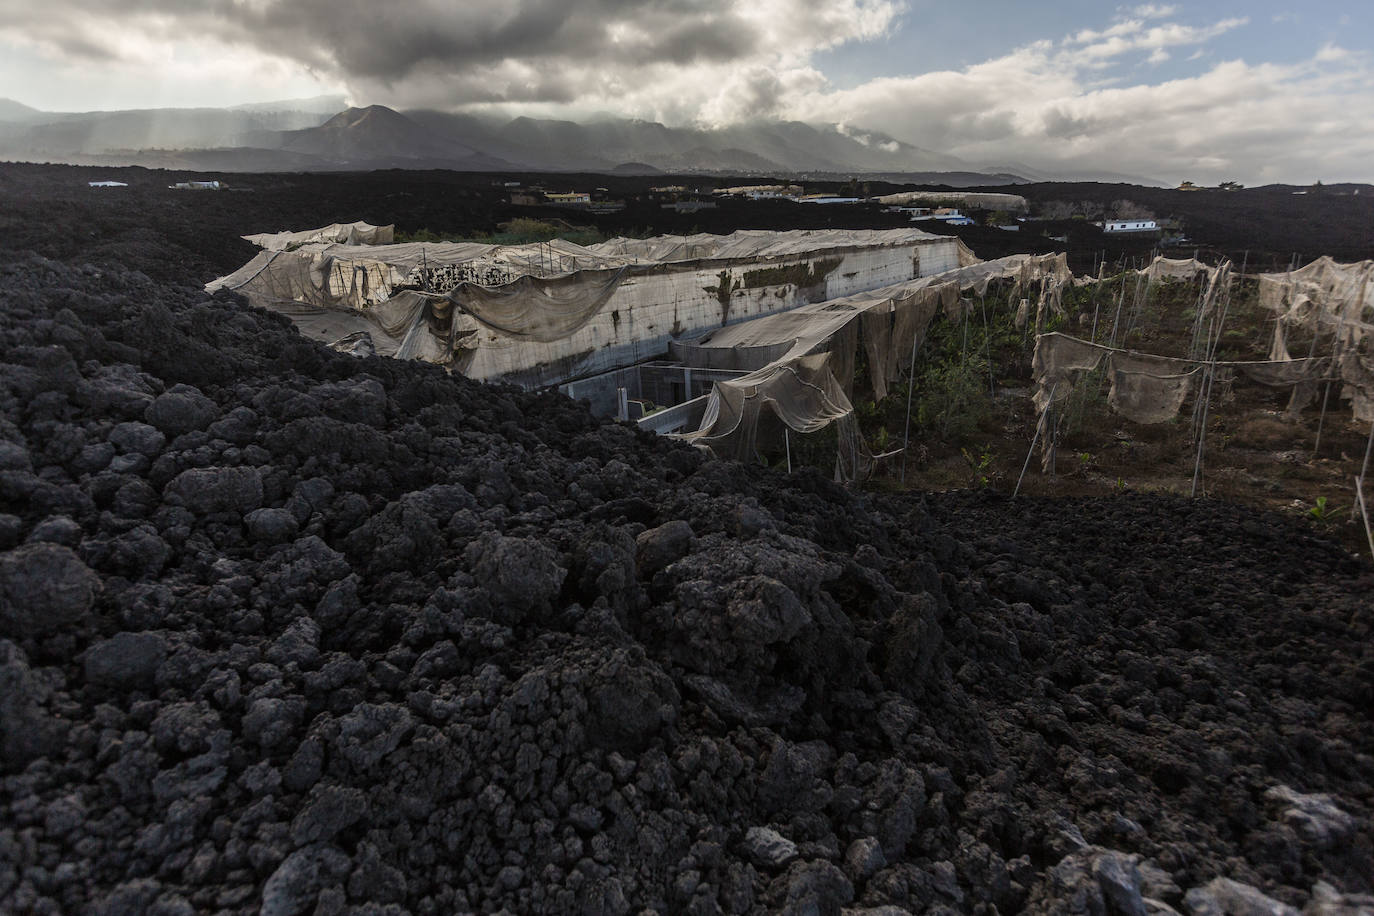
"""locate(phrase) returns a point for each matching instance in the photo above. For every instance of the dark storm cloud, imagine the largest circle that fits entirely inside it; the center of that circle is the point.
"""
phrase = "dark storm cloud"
(384, 42)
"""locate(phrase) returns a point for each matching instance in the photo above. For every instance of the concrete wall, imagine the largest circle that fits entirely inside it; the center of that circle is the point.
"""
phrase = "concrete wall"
(648, 309)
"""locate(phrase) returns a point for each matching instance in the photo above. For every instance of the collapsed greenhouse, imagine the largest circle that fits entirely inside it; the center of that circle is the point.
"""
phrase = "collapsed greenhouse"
(754, 341)
(555, 312)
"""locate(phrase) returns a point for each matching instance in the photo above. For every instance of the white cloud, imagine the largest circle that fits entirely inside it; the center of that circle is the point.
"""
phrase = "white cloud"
(1098, 48)
(1040, 105)
(1155, 10)
(716, 59)
(1157, 56)
(1332, 52)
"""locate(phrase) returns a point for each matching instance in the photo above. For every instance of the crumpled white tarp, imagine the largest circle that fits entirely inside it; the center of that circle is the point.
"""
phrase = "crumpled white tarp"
(358, 233)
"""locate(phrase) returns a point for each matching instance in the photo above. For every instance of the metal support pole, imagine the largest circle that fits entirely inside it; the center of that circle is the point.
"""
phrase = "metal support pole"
(1208, 374)
(1034, 439)
(1054, 440)
(1326, 395)
(987, 345)
(1368, 446)
(1364, 513)
(1121, 297)
(1359, 491)
(910, 390)
(1209, 378)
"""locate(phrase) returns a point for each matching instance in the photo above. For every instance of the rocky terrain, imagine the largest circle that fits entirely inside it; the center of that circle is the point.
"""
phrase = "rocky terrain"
(283, 631)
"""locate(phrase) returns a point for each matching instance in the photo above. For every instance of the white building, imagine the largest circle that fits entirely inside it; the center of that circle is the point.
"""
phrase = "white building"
(1130, 225)
(951, 216)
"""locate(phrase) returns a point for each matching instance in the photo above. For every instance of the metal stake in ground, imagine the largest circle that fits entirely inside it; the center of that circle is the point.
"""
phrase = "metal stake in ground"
(1034, 439)
(1209, 376)
(987, 345)
(1326, 395)
(910, 389)
(1368, 446)
(1359, 491)
(1121, 297)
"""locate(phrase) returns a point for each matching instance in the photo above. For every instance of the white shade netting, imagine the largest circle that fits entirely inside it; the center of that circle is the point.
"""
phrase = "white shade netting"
(749, 244)
(530, 308)
(1152, 389)
(1333, 304)
(474, 295)
(782, 351)
(801, 395)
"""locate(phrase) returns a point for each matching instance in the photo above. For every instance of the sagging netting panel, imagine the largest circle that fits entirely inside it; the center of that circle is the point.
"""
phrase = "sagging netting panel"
(1152, 389)
(801, 397)
(1333, 304)
(803, 360)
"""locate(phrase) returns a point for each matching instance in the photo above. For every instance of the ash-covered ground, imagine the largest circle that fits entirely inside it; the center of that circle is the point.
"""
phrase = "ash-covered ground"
(283, 631)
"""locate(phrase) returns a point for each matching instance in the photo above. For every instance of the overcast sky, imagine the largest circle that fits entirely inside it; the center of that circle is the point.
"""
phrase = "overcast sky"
(1257, 91)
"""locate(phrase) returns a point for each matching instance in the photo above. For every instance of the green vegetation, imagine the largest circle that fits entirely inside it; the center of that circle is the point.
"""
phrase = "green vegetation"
(957, 368)
(980, 463)
(1322, 511)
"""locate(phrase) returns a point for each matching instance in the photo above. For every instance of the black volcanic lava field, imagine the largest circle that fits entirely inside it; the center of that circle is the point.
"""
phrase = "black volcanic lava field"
(284, 631)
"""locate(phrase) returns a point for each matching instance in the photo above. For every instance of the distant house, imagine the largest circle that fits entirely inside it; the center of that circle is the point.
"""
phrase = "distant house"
(911, 212)
(1129, 225)
(197, 186)
(951, 217)
(108, 184)
(827, 199)
(569, 198)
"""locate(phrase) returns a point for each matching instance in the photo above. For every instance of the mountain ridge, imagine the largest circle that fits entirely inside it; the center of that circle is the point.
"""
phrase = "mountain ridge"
(298, 134)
